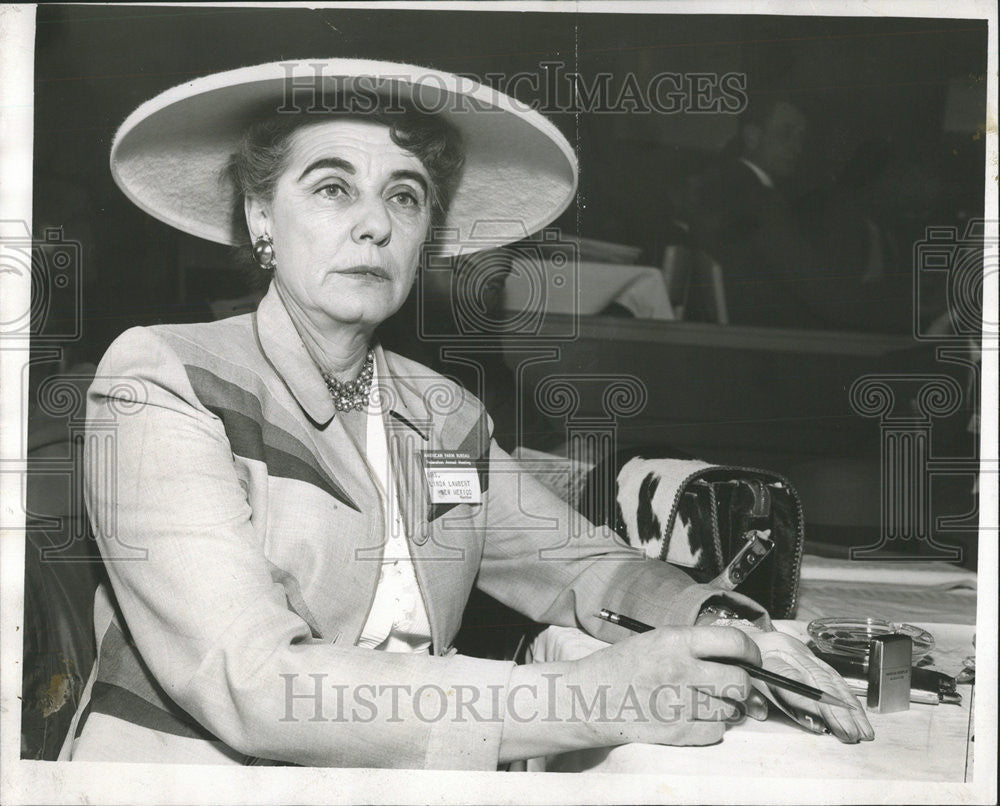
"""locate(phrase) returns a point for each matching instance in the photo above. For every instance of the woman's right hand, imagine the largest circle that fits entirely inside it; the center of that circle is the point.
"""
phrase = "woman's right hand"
(665, 686)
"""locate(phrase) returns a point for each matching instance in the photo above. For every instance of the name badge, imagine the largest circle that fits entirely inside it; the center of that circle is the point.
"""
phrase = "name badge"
(452, 477)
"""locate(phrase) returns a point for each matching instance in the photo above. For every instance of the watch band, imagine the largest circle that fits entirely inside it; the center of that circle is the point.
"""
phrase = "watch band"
(725, 617)
(740, 623)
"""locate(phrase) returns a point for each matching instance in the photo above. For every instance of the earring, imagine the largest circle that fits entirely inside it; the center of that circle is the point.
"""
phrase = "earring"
(263, 252)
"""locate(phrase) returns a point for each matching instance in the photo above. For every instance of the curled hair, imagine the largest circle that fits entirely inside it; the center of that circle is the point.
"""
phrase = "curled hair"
(262, 156)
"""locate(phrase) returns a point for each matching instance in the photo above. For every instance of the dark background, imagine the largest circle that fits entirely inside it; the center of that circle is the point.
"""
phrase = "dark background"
(914, 83)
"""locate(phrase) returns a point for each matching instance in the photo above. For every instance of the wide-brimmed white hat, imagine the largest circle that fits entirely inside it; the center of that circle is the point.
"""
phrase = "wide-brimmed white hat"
(169, 155)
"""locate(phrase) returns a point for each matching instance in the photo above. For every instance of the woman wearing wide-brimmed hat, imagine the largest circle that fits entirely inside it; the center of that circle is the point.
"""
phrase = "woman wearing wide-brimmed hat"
(292, 518)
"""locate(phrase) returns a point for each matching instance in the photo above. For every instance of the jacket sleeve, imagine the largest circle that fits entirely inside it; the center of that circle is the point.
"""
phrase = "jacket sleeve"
(215, 629)
(548, 562)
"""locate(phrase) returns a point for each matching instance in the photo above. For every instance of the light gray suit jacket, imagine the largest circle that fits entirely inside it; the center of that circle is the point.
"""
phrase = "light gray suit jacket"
(242, 533)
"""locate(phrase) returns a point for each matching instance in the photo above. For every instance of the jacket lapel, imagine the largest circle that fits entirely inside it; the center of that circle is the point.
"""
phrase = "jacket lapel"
(414, 423)
(282, 346)
(360, 550)
(424, 414)
(330, 443)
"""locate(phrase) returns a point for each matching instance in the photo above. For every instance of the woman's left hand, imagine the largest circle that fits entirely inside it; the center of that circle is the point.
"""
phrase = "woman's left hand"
(789, 657)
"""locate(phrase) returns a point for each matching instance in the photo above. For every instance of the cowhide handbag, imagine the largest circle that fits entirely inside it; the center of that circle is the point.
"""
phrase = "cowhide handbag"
(698, 516)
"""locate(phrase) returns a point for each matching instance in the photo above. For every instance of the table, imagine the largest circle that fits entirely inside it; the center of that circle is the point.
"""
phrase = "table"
(926, 743)
(909, 592)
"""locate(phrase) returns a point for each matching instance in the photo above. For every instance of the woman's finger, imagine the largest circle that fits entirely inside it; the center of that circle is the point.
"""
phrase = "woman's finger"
(723, 642)
(822, 676)
(788, 656)
(840, 720)
(756, 706)
(810, 722)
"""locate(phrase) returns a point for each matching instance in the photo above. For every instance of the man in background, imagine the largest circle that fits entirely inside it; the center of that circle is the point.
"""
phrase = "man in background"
(742, 218)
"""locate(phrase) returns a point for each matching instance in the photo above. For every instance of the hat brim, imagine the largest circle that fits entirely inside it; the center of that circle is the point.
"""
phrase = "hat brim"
(169, 156)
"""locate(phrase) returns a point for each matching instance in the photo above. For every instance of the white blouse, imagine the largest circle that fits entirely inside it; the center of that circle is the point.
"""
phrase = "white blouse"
(398, 619)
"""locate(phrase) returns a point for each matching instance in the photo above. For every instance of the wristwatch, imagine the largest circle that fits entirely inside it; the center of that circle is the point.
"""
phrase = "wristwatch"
(722, 616)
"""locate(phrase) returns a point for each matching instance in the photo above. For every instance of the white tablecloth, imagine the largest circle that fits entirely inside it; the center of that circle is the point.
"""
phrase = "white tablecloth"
(925, 743)
(897, 591)
(586, 288)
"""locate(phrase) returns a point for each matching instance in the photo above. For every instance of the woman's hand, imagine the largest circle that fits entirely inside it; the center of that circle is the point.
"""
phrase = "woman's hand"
(657, 687)
(789, 657)
(671, 692)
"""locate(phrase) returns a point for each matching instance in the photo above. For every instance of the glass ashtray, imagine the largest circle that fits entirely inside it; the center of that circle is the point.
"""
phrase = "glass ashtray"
(851, 636)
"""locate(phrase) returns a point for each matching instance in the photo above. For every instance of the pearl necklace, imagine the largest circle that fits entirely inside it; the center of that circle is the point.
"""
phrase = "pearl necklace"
(352, 395)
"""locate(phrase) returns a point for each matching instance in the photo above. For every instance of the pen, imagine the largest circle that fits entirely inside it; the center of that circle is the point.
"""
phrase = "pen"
(754, 671)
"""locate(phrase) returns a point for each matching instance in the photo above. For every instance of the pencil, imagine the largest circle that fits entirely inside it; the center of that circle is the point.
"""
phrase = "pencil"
(777, 680)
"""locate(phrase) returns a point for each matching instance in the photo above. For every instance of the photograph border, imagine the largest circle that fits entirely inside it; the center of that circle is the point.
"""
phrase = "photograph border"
(23, 781)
